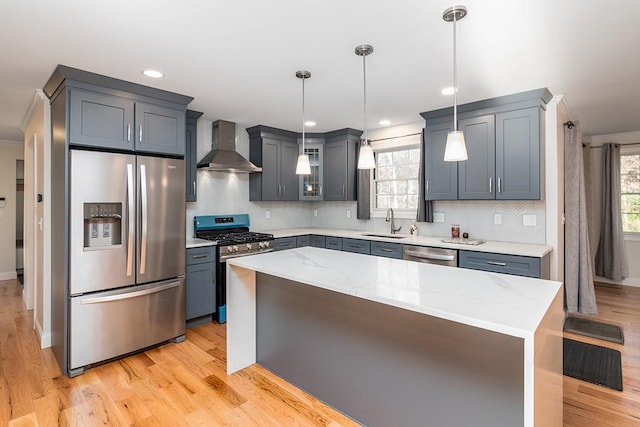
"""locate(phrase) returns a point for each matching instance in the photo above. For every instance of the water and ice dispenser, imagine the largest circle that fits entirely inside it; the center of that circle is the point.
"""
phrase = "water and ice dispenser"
(102, 225)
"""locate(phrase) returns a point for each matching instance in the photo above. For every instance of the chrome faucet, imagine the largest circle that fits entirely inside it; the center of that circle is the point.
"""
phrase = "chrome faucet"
(389, 217)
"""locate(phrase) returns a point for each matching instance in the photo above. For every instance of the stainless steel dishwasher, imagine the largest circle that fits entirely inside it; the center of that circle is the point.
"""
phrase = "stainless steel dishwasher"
(448, 257)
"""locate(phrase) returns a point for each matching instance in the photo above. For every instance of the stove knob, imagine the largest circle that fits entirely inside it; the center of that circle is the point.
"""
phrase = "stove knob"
(235, 248)
(249, 247)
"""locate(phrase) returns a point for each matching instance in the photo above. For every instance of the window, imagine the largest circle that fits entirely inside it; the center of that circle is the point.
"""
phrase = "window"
(630, 189)
(396, 175)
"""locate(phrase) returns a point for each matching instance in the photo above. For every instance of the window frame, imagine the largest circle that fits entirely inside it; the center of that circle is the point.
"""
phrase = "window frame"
(406, 142)
(629, 151)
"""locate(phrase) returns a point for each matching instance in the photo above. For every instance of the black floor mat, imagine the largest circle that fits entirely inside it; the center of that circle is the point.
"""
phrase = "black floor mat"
(593, 329)
(592, 363)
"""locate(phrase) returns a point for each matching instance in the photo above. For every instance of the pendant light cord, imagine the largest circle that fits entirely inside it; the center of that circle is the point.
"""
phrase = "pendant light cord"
(303, 122)
(455, 77)
(364, 72)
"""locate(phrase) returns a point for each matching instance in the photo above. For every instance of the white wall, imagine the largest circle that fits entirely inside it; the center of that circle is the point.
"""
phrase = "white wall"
(632, 243)
(9, 152)
(224, 193)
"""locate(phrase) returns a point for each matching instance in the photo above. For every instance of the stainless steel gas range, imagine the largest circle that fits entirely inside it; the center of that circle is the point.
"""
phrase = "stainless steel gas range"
(233, 239)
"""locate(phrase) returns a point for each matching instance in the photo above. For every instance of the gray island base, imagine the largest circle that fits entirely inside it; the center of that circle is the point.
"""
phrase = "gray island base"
(359, 348)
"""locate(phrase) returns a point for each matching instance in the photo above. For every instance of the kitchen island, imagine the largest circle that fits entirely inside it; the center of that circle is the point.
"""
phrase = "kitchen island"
(393, 342)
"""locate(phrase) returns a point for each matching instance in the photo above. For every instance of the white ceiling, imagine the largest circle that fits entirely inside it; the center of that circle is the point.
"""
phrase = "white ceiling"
(238, 58)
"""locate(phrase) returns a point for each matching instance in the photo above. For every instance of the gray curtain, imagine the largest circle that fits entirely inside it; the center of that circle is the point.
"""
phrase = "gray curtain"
(425, 207)
(578, 269)
(363, 210)
(611, 257)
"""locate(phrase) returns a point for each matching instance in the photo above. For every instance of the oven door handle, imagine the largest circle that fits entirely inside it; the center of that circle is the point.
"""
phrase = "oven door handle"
(224, 258)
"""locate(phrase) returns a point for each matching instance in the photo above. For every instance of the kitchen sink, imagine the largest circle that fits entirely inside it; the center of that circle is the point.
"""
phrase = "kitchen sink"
(385, 235)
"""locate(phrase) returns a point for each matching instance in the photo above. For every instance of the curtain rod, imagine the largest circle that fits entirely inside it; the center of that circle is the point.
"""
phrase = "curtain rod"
(395, 137)
(621, 145)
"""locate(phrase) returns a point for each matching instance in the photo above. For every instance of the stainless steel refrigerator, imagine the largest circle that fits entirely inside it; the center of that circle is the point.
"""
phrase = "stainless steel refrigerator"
(126, 246)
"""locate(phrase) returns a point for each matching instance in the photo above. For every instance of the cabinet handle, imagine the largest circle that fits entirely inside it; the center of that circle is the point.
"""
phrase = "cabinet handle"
(140, 133)
(284, 190)
(385, 250)
(285, 244)
(198, 256)
(128, 132)
(500, 264)
(279, 190)
(194, 188)
(427, 186)
(321, 191)
(490, 184)
(344, 190)
(499, 185)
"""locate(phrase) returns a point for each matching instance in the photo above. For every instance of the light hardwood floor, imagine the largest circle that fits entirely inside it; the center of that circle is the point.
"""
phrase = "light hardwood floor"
(186, 383)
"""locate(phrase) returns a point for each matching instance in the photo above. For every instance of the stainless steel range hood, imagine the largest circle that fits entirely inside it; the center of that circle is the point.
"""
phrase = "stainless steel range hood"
(223, 156)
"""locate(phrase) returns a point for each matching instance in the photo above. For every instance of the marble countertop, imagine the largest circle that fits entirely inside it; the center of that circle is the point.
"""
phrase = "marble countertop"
(522, 249)
(193, 242)
(502, 303)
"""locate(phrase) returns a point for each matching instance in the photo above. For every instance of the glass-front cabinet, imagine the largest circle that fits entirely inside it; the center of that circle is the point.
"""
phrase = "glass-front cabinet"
(311, 185)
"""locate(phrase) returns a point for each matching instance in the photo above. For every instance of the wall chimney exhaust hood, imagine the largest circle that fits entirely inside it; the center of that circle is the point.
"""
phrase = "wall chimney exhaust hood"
(223, 156)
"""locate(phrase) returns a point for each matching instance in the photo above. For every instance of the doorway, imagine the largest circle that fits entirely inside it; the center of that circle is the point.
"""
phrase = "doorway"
(20, 220)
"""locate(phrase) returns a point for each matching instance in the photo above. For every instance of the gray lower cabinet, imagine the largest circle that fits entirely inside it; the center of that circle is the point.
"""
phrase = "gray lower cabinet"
(385, 249)
(340, 164)
(318, 241)
(331, 242)
(509, 264)
(276, 151)
(100, 119)
(191, 155)
(357, 246)
(302, 241)
(282, 243)
(200, 284)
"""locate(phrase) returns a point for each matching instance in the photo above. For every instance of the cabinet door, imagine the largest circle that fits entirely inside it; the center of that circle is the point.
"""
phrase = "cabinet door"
(100, 120)
(190, 159)
(518, 154)
(288, 178)
(311, 185)
(335, 171)
(441, 178)
(270, 172)
(200, 290)
(159, 129)
(283, 243)
(476, 175)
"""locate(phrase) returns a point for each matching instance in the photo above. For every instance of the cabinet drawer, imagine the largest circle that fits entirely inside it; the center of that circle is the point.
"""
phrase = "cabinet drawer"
(200, 255)
(357, 246)
(389, 250)
(283, 243)
(501, 263)
(333, 243)
(303, 241)
(317, 241)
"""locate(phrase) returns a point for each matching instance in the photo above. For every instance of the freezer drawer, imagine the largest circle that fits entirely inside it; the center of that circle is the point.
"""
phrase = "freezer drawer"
(109, 324)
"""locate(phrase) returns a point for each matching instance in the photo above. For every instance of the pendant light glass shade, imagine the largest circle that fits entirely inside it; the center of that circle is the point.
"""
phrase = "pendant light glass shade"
(365, 156)
(303, 167)
(456, 148)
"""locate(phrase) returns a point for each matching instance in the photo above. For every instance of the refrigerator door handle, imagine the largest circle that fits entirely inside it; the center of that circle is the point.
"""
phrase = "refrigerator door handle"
(131, 219)
(129, 295)
(144, 213)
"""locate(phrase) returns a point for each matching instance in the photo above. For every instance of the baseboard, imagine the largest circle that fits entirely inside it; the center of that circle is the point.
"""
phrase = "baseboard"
(629, 281)
(45, 339)
(8, 275)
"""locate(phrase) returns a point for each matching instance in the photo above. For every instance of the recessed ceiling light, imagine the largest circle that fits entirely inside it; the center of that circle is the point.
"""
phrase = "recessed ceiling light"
(309, 123)
(384, 122)
(154, 74)
(447, 90)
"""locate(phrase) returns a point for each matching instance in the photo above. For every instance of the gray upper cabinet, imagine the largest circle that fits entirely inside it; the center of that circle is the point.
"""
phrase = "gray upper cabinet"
(113, 114)
(340, 164)
(441, 178)
(276, 151)
(476, 176)
(159, 129)
(504, 144)
(191, 155)
(518, 154)
(101, 120)
(311, 186)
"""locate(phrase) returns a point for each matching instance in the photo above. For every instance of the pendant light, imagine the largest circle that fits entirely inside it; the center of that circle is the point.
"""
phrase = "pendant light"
(303, 167)
(365, 158)
(456, 148)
